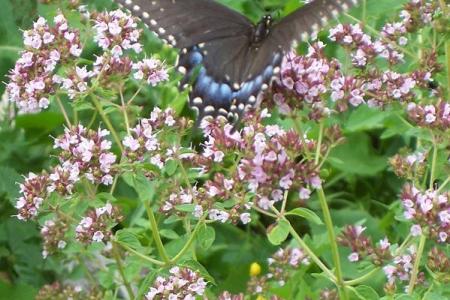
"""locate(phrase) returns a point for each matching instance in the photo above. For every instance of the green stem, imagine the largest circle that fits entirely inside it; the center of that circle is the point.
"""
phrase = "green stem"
(362, 278)
(261, 211)
(105, 119)
(319, 144)
(433, 163)
(124, 111)
(332, 240)
(310, 253)
(190, 241)
(447, 52)
(443, 185)
(11, 48)
(63, 111)
(121, 271)
(415, 271)
(155, 233)
(403, 245)
(300, 132)
(140, 255)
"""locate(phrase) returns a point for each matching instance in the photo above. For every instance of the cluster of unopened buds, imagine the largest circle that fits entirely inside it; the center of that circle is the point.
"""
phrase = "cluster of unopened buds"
(281, 265)
(53, 236)
(285, 260)
(46, 46)
(429, 211)
(182, 283)
(96, 225)
(361, 246)
(438, 262)
(58, 291)
(409, 165)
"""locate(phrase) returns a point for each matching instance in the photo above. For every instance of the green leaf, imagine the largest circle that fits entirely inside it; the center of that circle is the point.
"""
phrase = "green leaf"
(17, 292)
(171, 167)
(279, 233)
(357, 156)
(8, 182)
(305, 213)
(365, 292)
(45, 120)
(144, 188)
(169, 234)
(206, 236)
(128, 238)
(185, 207)
(146, 283)
(198, 267)
(365, 118)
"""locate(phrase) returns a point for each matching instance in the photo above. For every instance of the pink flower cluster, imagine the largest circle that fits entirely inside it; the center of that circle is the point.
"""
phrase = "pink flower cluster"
(76, 82)
(264, 160)
(435, 116)
(83, 153)
(183, 283)
(34, 191)
(106, 66)
(151, 70)
(270, 165)
(31, 80)
(145, 141)
(87, 152)
(401, 269)
(428, 210)
(361, 246)
(363, 48)
(117, 31)
(95, 227)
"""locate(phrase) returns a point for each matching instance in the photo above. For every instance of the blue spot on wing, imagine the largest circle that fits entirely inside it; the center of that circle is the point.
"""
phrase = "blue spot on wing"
(212, 98)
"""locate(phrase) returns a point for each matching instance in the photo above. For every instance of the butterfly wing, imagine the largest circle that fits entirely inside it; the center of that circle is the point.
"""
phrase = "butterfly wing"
(305, 21)
(186, 23)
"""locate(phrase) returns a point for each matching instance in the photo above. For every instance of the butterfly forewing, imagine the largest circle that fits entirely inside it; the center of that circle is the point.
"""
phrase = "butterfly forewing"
(305, 21)
(185, 23)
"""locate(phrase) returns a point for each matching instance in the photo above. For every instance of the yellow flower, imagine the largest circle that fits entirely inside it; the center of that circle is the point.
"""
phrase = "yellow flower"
(260, 298)
(255, 269)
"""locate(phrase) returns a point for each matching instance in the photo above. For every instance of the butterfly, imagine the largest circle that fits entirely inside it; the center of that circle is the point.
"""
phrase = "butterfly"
(225, 58)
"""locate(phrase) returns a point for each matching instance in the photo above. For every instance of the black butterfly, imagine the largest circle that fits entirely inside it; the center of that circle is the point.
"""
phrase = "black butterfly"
(227, 58)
